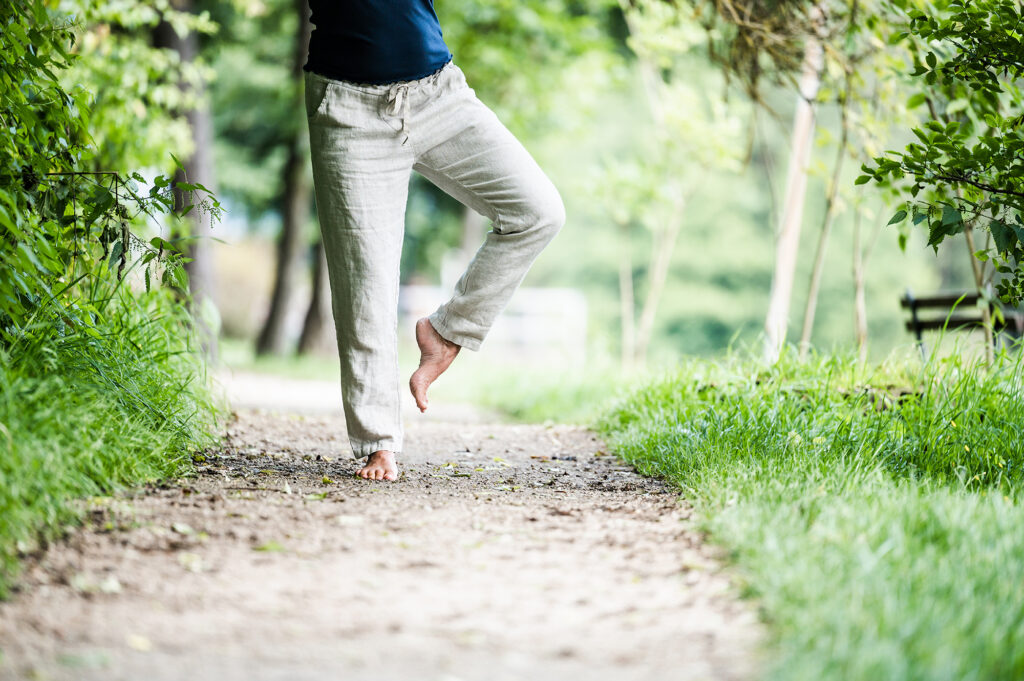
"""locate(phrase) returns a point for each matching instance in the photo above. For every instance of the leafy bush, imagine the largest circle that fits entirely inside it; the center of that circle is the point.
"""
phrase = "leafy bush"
(100, 384)
(964, 170)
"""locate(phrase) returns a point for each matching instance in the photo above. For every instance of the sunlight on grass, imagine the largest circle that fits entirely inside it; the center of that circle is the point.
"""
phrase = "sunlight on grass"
(872, 511)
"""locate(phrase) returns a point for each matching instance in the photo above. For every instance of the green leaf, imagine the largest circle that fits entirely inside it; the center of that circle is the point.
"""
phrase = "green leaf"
(936, 233)
(916, 100)
(899, 217)
(1003, 236)
(951, 217)
(863, 179)
(116, 252)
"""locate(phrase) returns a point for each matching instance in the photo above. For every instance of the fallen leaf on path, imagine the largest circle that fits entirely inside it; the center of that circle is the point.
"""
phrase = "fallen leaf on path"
(192, 562)
(270, 547)
(110, 585)
(139, 642)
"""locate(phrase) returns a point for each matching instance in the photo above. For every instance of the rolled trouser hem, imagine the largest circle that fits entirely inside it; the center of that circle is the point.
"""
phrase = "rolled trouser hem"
(445, 332)
(364, 450)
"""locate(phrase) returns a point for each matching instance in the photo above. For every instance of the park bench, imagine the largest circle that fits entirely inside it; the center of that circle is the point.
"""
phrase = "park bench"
(956, 311)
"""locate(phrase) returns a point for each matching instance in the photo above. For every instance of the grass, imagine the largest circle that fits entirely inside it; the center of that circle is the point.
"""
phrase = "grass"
(87, 409)
(873, 512)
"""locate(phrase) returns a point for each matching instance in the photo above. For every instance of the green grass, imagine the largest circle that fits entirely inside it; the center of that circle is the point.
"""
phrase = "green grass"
(873, 512)
(87, 409)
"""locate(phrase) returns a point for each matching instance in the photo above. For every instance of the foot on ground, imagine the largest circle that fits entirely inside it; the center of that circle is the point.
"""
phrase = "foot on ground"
(436, 355)
(380, 466)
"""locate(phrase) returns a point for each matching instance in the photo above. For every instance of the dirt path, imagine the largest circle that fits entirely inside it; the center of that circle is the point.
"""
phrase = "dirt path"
(504, 552)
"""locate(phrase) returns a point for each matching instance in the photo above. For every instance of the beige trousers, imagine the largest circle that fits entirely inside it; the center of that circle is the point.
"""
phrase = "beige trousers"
(365, 141)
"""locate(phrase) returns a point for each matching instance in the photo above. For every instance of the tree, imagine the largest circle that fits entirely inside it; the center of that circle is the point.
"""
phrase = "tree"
(648, 192)
(295, 196)
(64, 228)
(183, 40)
(788, 241)
(965, 172)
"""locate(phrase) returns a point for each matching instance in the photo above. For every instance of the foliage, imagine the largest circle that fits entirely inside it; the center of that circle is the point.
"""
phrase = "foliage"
(83, 353)
(252, 57)
(646, 192)
(514, 52)
(136, 91)
(872, 511)
(61, 226)
(83, 414)
(965, 170)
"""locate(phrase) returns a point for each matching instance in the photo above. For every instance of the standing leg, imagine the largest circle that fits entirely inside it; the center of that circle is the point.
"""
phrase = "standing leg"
(474, 158)
(361, 180)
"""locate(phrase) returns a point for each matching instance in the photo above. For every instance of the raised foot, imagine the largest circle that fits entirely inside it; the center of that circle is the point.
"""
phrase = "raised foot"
(436, 355)
(380, 466)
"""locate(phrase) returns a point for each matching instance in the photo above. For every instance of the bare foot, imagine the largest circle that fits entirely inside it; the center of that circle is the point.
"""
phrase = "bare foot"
(436, 355)
(380, 466)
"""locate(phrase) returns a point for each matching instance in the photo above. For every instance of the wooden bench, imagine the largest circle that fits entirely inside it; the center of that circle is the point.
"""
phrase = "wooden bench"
(955, 311)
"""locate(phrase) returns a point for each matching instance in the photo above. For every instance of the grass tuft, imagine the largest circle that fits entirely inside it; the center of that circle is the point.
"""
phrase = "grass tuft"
(873, 511)
(118, 400)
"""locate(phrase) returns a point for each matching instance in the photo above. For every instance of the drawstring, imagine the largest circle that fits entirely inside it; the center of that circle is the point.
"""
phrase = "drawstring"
(398, 105)
(398, 100)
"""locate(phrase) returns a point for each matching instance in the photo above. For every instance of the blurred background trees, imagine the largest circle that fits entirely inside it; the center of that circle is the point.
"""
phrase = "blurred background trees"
(669, 127)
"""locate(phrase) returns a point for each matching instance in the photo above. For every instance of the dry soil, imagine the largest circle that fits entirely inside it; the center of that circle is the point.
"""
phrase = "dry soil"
(503, 552)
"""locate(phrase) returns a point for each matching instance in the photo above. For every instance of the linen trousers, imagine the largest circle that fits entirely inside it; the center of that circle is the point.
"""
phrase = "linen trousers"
(365, 140)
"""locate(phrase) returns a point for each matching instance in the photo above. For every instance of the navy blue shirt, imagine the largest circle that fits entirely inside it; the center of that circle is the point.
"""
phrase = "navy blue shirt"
(375, 41)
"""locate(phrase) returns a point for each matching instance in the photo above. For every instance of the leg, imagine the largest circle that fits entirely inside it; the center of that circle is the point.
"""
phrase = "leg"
(361, 181)
(480, 163)
(485, 167)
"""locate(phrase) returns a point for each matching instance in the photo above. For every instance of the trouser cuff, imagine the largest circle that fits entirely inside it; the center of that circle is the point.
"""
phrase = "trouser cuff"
(363, 450)
(468, 342)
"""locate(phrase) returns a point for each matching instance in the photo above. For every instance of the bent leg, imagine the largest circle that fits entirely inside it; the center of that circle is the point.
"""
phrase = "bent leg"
(484, 166)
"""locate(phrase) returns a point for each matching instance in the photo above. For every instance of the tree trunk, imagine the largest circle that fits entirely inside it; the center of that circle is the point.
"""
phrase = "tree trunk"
(831, 208)
(318, 326)
(788, 244)
(979, 283)
(860, 309)
(626, 304)
(198, 168)
(661, 257)
(295, 198)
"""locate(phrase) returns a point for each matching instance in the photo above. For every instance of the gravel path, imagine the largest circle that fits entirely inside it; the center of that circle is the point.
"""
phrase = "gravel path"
(504, 552)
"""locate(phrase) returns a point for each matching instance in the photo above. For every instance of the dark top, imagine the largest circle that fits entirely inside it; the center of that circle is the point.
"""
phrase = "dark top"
(375, 41)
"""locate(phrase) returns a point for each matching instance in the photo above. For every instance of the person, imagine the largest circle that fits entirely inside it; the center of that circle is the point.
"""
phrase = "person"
(383, 98)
